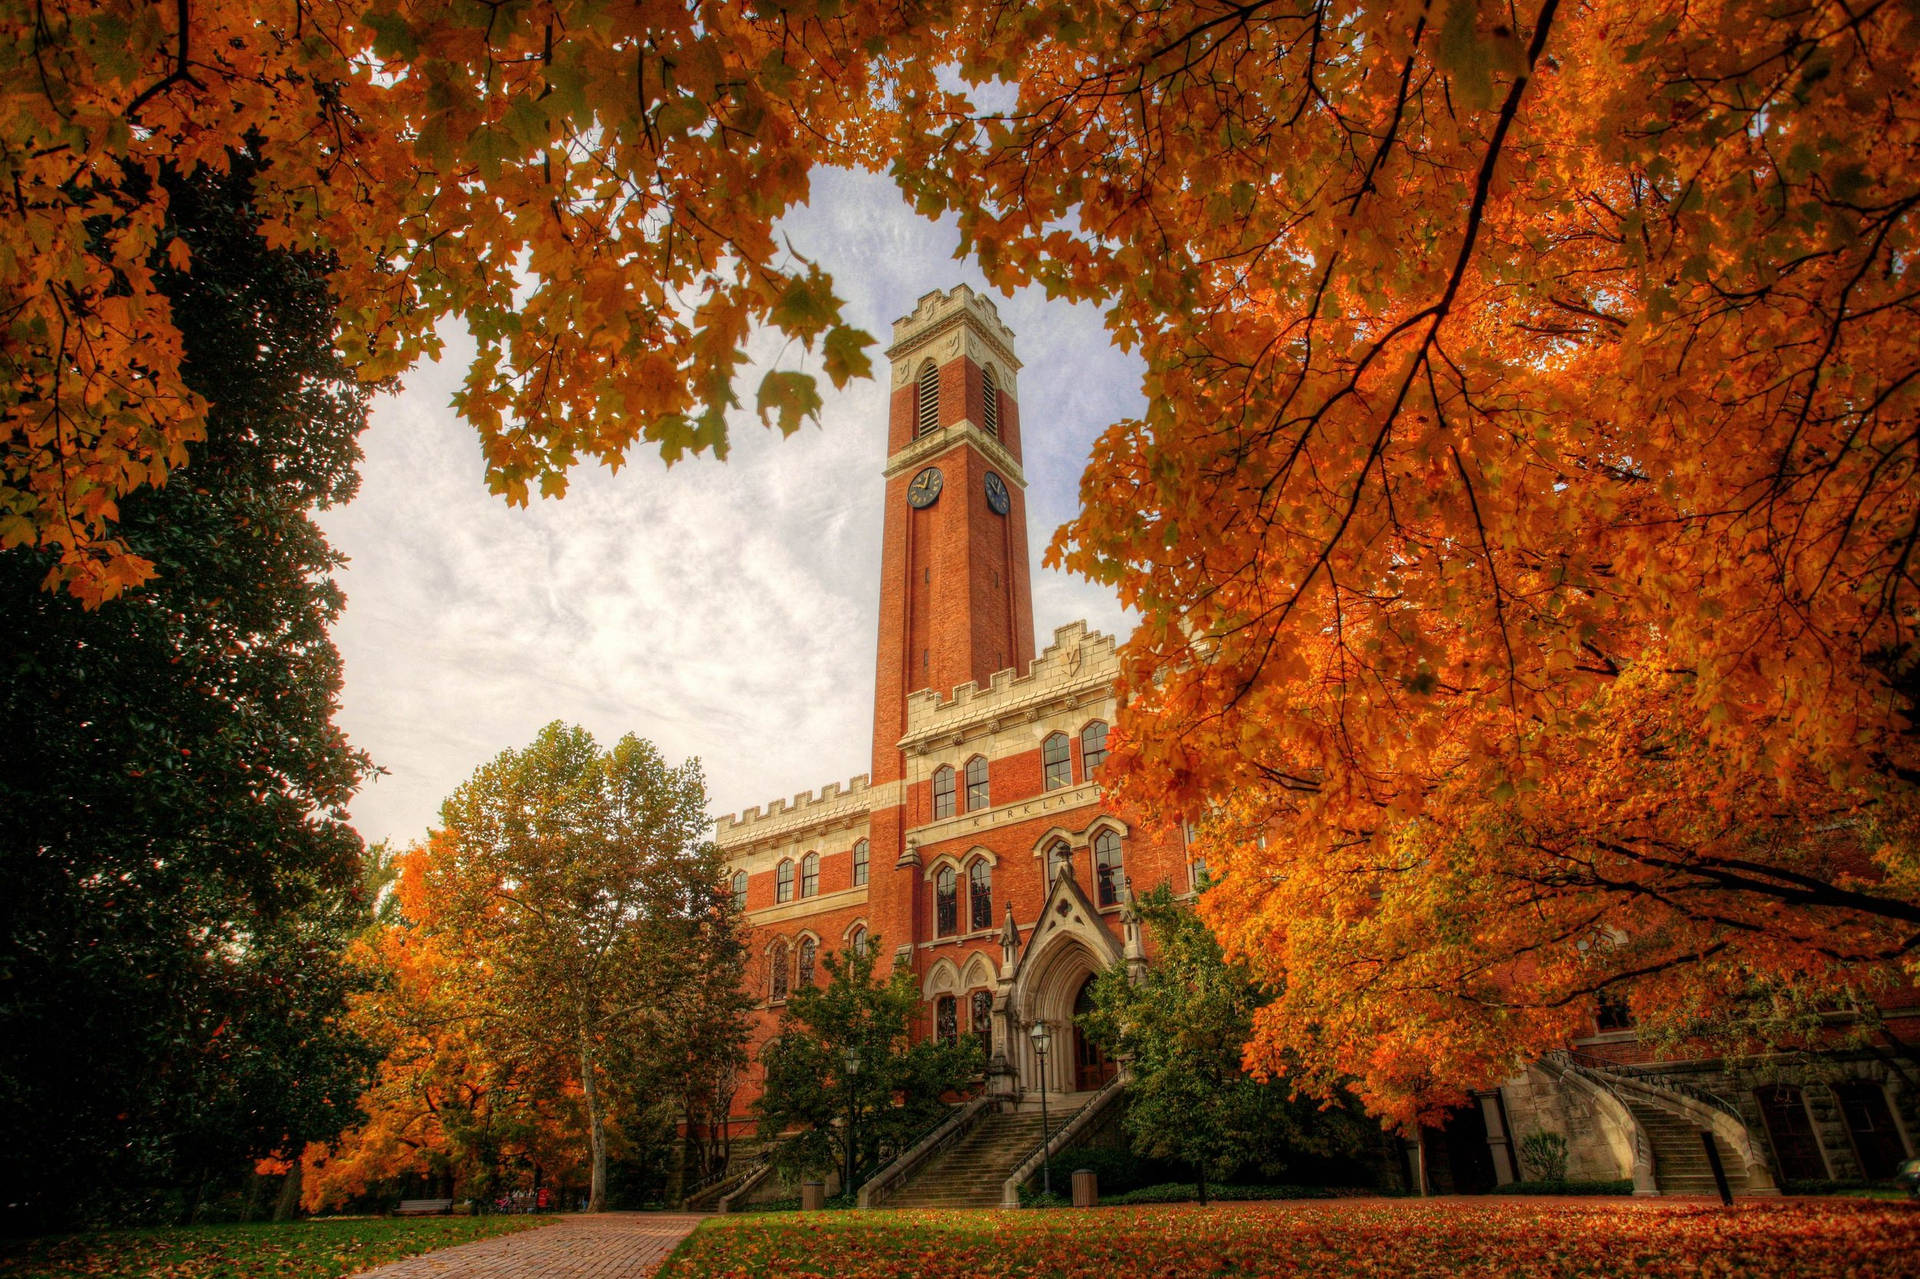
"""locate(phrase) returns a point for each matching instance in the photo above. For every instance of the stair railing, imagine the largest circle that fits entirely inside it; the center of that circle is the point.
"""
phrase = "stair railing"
(1062, 1137)
(1657, 1078)
(886, 1183)
(1701, 1106)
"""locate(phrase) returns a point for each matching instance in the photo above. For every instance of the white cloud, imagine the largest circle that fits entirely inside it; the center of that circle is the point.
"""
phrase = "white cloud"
(725, 610)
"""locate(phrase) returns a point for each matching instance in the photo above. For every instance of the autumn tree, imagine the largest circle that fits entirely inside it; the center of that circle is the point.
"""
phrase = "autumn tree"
(846, 1084)
(1524, 514)
(181, 884)
(580, 891)
(1181, 1025)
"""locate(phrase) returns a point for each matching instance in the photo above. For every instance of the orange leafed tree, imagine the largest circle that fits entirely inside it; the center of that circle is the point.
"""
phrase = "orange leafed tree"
(1524, 521)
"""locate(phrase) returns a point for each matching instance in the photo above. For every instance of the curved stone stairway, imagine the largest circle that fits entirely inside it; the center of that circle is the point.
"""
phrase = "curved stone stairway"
(970, 1173)
(1679, 1157)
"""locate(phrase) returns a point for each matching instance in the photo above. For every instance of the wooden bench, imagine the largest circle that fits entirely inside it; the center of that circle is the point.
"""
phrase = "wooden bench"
(423, 1207)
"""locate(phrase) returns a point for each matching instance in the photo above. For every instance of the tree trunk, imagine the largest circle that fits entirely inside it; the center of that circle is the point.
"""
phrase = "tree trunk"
(288, 1206)
(1201, 1182)
(596, 1126)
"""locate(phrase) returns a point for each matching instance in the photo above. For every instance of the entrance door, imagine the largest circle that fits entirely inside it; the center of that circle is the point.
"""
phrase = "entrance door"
(1091, 1069)
(1796, 1150)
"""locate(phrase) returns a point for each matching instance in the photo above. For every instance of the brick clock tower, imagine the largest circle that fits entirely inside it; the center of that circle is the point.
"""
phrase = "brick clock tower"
(956, 599)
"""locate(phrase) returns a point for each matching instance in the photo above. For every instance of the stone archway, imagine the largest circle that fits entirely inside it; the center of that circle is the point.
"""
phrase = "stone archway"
(1068, 945)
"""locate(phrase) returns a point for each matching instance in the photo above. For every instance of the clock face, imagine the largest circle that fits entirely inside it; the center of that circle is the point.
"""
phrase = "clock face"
(997, 494)
(925, 489)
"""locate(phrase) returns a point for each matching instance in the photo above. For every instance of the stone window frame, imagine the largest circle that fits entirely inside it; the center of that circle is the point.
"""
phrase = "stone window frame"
(739, 887)
(806, 959)
(777, 971)
(783, 882)
(982, 784)
(810, 875)
(1092, 756)
(944, 792)
(946, 901)
(855, 937)
(979, 894)
(1110, 857)
(862, 856)
(946, 1019)
(980, 1019)
(1063, 777)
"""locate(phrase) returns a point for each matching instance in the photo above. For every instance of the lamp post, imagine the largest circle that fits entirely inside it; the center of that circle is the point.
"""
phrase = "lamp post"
(850, 1058)
(1042, 1038)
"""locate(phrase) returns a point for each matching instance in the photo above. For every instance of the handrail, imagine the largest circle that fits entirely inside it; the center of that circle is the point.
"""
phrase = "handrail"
(757, 1172)
(1718, 1114)
(882, 1185)
(1061, 1137)
(1658, 1078)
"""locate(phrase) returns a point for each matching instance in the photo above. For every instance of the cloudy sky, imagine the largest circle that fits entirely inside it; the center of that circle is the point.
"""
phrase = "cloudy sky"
(723, 610)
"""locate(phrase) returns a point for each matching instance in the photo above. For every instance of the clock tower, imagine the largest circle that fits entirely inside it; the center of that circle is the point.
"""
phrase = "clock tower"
(956, 599)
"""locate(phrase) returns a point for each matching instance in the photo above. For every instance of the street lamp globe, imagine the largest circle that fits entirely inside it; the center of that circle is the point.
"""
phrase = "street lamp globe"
(850, 1056)
(1041, 1037)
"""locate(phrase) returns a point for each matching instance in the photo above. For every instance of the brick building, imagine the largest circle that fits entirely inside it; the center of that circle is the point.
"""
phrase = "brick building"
(976, 851)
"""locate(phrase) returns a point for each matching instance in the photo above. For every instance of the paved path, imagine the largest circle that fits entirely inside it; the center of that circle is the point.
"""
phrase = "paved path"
(608, 1245)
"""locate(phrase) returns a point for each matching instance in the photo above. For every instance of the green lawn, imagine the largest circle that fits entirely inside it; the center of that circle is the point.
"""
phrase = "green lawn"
(301, 1250)
(1433, 1239)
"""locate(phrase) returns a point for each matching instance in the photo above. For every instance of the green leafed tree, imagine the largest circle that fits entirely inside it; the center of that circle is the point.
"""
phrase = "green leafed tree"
(581, 888)
(180, 882)
(1180, 1025)
(844, 1073)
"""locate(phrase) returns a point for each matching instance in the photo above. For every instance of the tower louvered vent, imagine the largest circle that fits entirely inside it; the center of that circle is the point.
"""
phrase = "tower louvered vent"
(929, 398)
(990, 401)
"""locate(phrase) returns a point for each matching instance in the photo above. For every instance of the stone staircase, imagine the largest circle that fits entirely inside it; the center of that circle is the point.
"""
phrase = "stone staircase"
(1679, 1159)
(970, 1173)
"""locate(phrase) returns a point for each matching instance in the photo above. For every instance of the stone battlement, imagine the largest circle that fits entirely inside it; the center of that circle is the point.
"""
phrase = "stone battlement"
(937, 310)
(805, 809)
(1078, 660)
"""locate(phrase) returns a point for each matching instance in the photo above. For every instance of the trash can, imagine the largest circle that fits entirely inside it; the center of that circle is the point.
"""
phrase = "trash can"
(813, 1196)
(1086, 1188)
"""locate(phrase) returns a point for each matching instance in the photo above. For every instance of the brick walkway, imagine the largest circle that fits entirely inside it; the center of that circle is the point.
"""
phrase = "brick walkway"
(609, 1245)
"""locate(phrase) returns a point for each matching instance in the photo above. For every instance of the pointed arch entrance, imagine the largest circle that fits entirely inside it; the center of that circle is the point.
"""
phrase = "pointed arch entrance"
(1091, 1067)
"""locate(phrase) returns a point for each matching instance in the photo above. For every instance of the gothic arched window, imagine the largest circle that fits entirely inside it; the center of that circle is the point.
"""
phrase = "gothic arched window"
(1057, 760)
(942, 792)
(777, 967)
(783, 882)
(946, 1019)
(860, 855)
(929, 399)
(809, 950)
(990, 401)
(740, 890)
(982, 1019)
(1093, 747)
(980, 894)
(1108, 870)
(859, 940)
(979, 793)
(1058, 856)
(946, 905)
(810, 875)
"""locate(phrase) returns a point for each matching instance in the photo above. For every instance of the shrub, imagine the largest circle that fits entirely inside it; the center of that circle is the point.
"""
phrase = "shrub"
(1544, 1155)
(1624, 1186)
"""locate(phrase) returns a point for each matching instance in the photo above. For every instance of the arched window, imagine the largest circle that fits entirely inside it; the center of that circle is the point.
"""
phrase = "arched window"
(859, 940)
(990, 401)
(740, 890)
(860, 855)
(1614, 1013)
(1093, 748)
(979, 793)
(982, 1021)
(929, 404)
(783, 882)
(946, 905)
(1057, 760)
(1108, 871)
(946, 1019)
(1059, 856)
(809, 949)
(980, 894)
(810, 875)
(942, 792)
(777, 966)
